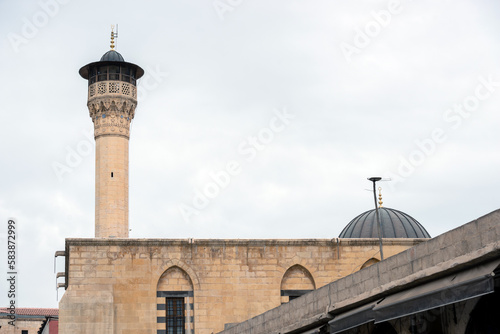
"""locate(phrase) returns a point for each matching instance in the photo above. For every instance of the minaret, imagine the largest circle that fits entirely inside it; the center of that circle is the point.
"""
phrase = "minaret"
(112, 98)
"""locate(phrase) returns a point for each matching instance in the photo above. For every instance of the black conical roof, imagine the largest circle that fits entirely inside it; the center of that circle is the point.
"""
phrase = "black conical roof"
(394, 224)
(111, 58)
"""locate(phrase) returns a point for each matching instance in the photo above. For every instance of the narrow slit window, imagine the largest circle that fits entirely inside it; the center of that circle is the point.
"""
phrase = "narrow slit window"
(111, 174)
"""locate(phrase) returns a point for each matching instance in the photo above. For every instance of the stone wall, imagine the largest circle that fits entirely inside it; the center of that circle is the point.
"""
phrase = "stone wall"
(32, 325)
(118, 285)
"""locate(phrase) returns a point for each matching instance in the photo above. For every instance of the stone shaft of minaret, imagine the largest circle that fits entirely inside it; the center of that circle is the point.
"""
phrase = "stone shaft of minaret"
(112, 99)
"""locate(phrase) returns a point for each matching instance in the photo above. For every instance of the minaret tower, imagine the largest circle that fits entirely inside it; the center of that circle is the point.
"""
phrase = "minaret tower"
(112, 98)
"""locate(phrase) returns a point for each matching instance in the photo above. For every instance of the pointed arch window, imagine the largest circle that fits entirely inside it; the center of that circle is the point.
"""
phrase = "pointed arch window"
(174, 297)
(296, 282)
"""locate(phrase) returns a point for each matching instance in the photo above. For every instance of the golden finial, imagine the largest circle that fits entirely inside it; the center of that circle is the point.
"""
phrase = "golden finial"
(112, 37)
(380, 197)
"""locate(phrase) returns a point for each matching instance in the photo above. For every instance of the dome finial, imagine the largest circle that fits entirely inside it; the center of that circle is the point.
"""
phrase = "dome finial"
(113, 35)
(380, 197)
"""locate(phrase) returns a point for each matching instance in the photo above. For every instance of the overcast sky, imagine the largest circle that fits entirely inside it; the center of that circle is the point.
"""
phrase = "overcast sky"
(300, 100)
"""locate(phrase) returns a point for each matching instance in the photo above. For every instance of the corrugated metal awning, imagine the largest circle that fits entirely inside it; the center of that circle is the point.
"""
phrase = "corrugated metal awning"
(317, 330)
(470, 283)
(353, 318)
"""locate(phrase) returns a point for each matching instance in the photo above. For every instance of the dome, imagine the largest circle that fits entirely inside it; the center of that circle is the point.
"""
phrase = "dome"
(394, 224)
(112, 55)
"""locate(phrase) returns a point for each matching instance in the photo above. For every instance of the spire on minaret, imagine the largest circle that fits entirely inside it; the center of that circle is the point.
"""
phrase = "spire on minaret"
(113, 35)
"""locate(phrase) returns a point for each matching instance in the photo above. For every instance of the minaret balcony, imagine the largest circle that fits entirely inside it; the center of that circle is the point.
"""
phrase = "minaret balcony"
(101, 88)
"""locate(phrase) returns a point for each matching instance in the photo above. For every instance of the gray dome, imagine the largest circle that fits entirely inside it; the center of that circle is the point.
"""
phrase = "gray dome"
(394, 224)
(112, 55)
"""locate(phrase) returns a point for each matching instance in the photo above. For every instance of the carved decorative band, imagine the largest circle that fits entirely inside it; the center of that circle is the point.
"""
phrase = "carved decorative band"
(111, 116)
(112, 87)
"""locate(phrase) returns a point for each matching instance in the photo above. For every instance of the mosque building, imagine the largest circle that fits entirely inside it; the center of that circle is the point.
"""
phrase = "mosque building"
(115, 284)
